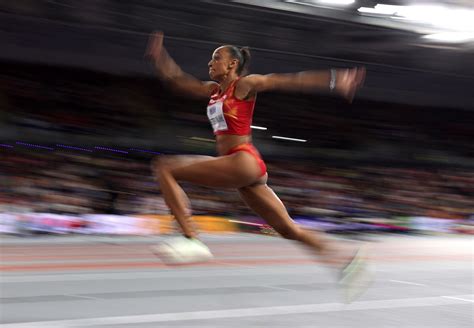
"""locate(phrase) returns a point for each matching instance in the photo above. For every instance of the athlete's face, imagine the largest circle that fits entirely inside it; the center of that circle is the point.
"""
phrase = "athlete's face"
(221, 64)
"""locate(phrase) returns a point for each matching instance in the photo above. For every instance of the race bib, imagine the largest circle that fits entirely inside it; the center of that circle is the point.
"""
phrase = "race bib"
(216, 116)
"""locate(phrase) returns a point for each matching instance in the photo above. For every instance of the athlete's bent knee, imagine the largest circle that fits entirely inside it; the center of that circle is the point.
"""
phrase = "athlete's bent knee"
(160, 164)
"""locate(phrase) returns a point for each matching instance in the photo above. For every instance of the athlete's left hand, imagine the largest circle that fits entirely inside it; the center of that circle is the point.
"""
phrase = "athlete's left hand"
(348, 81)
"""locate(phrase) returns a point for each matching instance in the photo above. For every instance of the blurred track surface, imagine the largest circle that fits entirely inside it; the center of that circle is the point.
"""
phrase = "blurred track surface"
(254, 281)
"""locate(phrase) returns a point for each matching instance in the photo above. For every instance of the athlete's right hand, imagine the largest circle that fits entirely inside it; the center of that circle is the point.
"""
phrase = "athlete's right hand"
(348, 81)
(155, 46)
(164, 65)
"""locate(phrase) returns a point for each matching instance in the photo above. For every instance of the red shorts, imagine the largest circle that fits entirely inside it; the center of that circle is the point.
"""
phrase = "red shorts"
(249, 148)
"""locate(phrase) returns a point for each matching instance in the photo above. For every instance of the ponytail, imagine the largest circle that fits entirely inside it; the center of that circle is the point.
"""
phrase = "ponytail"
(242, 55)
(244, 66)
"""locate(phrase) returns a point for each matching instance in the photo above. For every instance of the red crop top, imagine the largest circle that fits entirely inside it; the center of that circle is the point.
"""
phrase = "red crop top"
(229, 115)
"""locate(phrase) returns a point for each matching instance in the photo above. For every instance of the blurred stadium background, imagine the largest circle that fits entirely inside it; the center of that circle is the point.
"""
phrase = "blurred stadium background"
(82, 115)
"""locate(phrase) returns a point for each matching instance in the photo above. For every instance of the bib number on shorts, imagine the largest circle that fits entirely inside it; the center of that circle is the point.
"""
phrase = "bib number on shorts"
(216, 116)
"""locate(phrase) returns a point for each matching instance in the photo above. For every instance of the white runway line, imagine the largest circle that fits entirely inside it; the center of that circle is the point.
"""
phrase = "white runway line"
(80, 296)
(407, 282)
(239, 271)
(458, 298)
(279, 288)
(246, 312)
(232, 264)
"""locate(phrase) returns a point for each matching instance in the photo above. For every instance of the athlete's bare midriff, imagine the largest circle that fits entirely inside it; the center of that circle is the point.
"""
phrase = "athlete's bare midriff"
(225, 142)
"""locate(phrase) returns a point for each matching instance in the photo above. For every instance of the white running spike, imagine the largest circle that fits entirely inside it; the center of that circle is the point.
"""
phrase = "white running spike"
(182, 250)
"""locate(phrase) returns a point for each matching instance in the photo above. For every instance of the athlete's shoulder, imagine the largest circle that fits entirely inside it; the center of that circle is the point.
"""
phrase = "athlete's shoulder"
(256, 81)
(249, 85)
(212, 87)
(251, 78)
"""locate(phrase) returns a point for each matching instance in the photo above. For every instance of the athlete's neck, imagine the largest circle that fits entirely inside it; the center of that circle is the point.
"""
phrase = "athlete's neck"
(224, 84)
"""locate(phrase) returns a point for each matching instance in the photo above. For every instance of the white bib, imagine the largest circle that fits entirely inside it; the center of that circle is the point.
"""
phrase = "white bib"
(216, 116)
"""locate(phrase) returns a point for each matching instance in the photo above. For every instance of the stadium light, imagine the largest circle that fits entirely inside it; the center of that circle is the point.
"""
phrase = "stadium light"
(379, 10)
(454, 24)
(450, 37)
(336, 2)
(317, 3)
(455, 19)
(289, 139)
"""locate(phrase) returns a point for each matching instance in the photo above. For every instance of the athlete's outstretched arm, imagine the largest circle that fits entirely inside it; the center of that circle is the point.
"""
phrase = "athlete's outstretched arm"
(342, 81)
(171, 73)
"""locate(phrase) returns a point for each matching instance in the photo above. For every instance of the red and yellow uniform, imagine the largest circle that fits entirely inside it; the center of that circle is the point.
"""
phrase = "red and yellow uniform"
(229, 115)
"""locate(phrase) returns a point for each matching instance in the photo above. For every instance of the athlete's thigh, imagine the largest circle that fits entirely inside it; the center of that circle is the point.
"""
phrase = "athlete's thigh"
(176, 161)
(263, 201)
(232, 171)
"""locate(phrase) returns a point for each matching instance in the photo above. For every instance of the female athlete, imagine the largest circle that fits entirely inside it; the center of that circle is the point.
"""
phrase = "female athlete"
(232, 97)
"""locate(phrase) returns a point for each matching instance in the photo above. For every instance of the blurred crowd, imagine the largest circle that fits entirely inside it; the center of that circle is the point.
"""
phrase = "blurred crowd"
(48, 99)
(66, 181)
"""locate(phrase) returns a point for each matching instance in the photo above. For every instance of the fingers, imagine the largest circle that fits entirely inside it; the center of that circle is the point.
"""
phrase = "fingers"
(155, 45)
(355, 79)
(360, 76)
(157, 38)
(350, 95)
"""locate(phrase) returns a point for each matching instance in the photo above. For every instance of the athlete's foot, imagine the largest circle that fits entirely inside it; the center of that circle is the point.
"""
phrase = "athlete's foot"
(335, 255)
(356, 276)
(182, 250)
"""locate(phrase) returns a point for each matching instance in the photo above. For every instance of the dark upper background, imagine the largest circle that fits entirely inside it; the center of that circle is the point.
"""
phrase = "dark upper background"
(110, 36)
